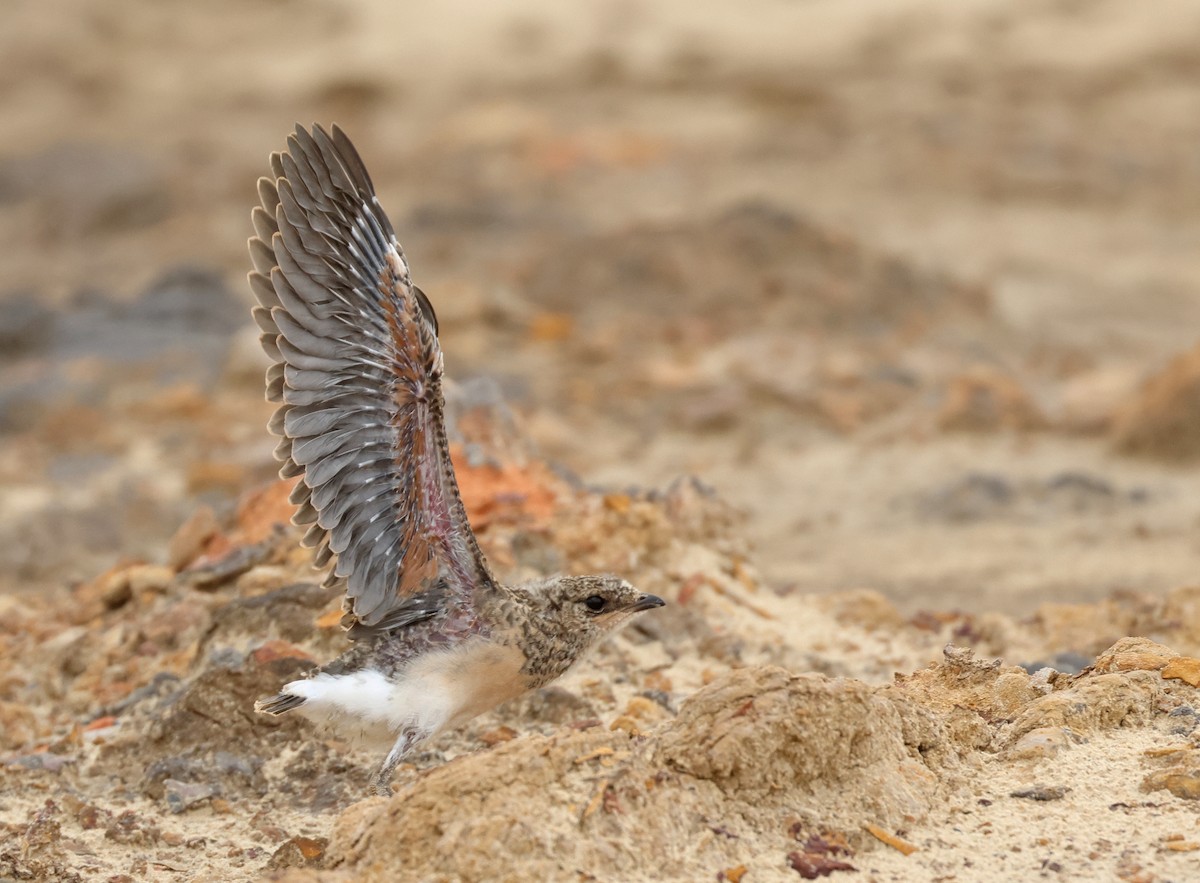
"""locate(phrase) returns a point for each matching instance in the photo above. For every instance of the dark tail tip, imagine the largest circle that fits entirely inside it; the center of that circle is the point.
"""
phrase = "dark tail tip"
(278, 703)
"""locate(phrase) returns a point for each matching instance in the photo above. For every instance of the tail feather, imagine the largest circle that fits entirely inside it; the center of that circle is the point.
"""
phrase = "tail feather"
(279, 703)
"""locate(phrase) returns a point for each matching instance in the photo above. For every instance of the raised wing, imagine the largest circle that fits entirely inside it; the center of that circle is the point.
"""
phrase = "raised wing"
(357, 372)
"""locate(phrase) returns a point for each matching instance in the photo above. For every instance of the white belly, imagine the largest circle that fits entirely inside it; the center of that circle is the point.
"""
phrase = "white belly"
(434, 692)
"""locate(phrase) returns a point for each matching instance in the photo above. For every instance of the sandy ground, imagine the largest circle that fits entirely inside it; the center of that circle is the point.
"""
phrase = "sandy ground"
(912, 286)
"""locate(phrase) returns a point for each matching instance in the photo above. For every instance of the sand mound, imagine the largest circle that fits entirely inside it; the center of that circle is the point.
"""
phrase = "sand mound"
(761, 761)
(740, 731)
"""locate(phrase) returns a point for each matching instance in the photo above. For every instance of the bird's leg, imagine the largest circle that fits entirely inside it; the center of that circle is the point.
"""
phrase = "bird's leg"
(383, 779)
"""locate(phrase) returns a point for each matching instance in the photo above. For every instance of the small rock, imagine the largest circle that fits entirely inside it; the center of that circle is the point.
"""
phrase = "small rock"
(810, 866)
(1134, 654)
(190, 539)
(273, 833)
(1182, 721)
(626, 723)
(299, 852)
(288, 611)
(1042, 792)
(40, 846)
(1182, 845)
(263, 578)
(44, 760)
(129, 829)
(985, 400)
(1081, 485)
(211, 572)
(178, 624)
(1183, 668)
(1182, 780)
(645, 709)
(498, 735)
(161, 685)
(660, 698)
(115, 591)
(149, 578)
(1042, 743)
(1162, 418)
(182, 796)
(198, 776)
(275, 650)
(89, 816)
(109, 591)
(263, 511)
(1093, 703)
(555, 705)
(1041, 679)
(973, 497)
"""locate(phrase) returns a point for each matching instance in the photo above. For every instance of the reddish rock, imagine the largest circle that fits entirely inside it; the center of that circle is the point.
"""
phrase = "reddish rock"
(1162, 419)
(1133, 654)
(272, 651)
(508, 492)
(1182, 780)
(985, 399)
(192, 538)
(263, 511)
(1184, 668)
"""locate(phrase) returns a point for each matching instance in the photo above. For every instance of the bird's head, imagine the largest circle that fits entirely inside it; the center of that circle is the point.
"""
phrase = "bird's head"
(574, 613)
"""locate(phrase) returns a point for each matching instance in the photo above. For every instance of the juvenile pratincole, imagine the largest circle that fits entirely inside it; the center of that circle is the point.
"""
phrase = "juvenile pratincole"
(435, 639)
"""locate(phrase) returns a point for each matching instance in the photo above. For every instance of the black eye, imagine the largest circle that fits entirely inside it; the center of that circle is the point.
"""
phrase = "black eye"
(595, 603)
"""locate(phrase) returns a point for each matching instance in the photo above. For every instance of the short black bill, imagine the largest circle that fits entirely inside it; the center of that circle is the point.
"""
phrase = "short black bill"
(648, 602)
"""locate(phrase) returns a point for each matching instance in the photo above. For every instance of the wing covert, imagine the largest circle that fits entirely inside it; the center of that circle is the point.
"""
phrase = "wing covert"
(357, 375)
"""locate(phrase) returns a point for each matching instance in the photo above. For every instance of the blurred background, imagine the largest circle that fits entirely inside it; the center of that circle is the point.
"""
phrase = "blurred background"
(915, 283)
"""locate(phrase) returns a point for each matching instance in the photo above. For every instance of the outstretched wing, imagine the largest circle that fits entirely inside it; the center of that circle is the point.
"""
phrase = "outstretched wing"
(357, 372)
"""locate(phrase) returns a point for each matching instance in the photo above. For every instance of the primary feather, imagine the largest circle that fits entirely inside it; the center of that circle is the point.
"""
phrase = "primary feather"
(357, 375)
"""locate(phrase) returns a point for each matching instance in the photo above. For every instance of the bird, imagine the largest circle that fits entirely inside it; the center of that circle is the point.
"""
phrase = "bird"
(434, 639)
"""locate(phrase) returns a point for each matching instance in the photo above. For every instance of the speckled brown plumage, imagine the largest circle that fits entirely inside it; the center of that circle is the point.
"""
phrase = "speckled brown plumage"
(357, 373)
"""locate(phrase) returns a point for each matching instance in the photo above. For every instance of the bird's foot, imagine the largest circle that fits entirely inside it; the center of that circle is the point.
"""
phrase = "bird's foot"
(382, 784)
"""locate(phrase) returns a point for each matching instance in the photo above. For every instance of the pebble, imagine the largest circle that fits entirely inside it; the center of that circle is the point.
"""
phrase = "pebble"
(1042, 792)
(1182, 721)
(299, 852)
(45, 760)
(1181, 781)
(984, 399)
(189, 541)
(1041, 743)
(182, 796)
(1159, 419)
